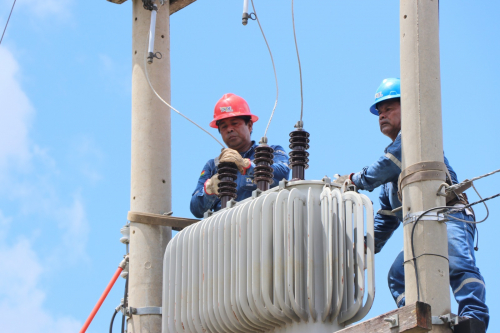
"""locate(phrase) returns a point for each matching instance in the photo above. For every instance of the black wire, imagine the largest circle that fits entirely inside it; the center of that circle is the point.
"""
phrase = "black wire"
(8, 21)
(482, 200)
(413, 249)
(125, 304)
(112, 320)
(451, 210)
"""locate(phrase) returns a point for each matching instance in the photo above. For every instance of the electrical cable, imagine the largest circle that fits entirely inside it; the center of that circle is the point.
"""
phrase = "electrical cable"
(485, 175)
(450, 210)
(300, 67)
(6, 24)
(274, 68)
(171, 107)
(112, 320)
(413, 249)
(466, 181)
(454, 210)
(125, 304)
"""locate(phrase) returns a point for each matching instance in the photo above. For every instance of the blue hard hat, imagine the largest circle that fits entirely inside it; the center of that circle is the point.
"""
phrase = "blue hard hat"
(388, 89)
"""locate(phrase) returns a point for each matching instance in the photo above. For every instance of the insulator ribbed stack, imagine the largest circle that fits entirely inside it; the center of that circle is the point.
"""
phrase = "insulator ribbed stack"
(299, 143)
(228, 172)
(263, 173)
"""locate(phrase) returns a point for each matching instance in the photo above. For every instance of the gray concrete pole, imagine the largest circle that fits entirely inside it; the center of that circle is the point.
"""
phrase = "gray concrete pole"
(150, 171)
(422, 141)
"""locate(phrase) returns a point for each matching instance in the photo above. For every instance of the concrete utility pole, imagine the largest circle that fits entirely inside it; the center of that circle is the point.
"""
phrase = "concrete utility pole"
(151, 178)
(422, 146)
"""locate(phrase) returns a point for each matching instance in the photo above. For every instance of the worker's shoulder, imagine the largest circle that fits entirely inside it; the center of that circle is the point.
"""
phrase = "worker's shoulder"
(278, 149)
(211, 163)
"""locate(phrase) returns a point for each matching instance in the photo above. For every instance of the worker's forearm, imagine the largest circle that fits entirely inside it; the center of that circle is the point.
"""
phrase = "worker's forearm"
(201, 202)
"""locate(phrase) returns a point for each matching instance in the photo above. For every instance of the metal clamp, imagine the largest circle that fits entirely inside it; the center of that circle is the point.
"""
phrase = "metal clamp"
(231, 203)
(256, 193)
(207, 214)
(147, 310)
(429, 216)
(447, 319)
(392, 320)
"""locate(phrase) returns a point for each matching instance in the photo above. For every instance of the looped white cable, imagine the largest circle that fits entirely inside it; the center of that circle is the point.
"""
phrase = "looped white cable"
(274, 67)
(300, 67)
(171, 107)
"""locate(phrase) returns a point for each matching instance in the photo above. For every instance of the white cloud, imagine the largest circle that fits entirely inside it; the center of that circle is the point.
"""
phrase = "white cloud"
(88, 156)
(75, 228)
(32, 198)
(15, 114)
(46, 8)
(21, 297)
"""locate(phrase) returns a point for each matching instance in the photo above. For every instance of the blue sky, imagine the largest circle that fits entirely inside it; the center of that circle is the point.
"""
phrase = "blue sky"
(65, 101)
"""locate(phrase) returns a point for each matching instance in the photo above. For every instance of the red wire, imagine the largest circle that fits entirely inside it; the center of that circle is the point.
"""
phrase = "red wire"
(101, 300)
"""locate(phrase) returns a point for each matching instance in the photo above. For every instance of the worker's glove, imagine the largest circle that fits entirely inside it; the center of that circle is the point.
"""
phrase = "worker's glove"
(212, 185)
(341, 180)
(231, 155)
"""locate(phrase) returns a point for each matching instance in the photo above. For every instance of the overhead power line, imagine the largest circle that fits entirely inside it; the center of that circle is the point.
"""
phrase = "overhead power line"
(6, 24)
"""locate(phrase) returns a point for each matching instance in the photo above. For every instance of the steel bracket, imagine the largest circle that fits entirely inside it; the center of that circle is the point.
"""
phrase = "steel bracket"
(231, 203)
(430, 216)
(282, 184)
(447, 319)
(147, 310)
(256, 193)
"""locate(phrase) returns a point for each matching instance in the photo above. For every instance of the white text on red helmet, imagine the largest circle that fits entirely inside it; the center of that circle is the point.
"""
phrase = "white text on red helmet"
(226, 109)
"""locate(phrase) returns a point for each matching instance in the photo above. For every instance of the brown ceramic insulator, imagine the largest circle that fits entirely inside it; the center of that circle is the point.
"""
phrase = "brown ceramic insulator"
(299, 143)
(228, 172)
(263, 173)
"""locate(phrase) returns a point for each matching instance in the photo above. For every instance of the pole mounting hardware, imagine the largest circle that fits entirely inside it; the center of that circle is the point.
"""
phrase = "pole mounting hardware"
(149, 5)
(147, 310)
(392, 320)
(430, 216)
(449, 319)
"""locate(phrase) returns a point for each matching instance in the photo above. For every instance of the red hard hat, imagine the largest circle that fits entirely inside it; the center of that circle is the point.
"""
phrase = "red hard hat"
(231, 105)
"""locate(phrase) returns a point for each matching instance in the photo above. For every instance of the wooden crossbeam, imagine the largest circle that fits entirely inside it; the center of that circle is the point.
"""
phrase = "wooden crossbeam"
(414, 318)
(176, 5)
(177, 223)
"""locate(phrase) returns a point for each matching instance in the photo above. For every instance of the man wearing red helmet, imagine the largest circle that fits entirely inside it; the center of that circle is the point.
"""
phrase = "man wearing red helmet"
(234, 120)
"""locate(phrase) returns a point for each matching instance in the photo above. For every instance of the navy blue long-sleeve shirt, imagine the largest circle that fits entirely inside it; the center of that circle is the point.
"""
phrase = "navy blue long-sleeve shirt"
(385, 172)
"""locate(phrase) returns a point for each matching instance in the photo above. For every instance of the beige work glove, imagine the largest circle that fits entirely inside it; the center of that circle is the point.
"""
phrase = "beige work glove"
(212, 185)
(231, 155)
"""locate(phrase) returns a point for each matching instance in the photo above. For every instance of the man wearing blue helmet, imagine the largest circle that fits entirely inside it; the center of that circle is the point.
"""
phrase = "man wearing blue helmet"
(465, 279)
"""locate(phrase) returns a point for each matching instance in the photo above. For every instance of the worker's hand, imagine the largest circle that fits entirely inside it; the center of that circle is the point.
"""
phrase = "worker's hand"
(341, 180)
(231, 155)
(212, 185)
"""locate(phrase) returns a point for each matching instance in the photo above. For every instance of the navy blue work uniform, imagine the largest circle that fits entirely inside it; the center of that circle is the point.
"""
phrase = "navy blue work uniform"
(466, 281)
